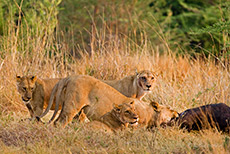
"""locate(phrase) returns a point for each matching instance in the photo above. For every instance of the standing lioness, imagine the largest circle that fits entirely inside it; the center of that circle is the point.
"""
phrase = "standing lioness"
(35, 93)
(75, 92)
(135, 86)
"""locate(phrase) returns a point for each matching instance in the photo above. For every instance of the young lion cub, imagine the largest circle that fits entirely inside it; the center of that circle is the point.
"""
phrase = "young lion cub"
(135, 86)
(35, 93)
(117, 119)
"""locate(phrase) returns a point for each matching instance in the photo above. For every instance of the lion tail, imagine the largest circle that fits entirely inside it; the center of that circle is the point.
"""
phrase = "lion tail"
(53, 93)
(58, 97)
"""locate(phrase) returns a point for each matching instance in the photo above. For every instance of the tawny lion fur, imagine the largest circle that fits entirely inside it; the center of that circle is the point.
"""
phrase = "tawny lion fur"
(75, 93)
(149, 114)
(117, 119)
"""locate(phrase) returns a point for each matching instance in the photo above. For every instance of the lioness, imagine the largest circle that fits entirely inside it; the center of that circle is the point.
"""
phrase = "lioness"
(96, 98)
(35, 93)
(135, 86)
(116, 119)
(150, 114)
(157, 115)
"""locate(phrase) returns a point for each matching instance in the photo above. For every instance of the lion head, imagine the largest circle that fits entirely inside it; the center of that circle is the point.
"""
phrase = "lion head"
(125, 113)
(26, 86)
(163, 115)
(146, 80)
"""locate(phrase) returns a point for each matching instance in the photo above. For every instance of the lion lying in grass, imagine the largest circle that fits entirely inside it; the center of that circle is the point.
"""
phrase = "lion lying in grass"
(35, 93)
(117, 119)
(153, 114)
(75, 93)
(150, 114)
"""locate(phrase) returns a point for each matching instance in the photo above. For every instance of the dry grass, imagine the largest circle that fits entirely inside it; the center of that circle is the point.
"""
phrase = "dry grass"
(182, 83)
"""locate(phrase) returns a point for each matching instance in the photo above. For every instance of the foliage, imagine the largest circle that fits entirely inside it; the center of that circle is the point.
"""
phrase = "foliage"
(181, 20)
(32, 21)
(182, 26)
(176, 23)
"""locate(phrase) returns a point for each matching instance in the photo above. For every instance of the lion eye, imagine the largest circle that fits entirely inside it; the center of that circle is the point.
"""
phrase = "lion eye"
(143, 78)
(24, 88)
(32, 88)
(128, 112)
(152, 78)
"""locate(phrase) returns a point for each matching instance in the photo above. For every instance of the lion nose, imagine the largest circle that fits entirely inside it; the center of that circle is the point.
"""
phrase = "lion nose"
(148, 86)
(28, 98)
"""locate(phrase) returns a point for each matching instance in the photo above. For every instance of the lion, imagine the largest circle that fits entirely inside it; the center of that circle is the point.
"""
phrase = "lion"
(157, 115)
(78, 92)
(35, 93)
(135, 86)
(150, 114)
(117, 119)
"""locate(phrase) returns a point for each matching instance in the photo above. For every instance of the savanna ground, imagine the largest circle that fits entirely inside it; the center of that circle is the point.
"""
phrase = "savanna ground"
(184, 82)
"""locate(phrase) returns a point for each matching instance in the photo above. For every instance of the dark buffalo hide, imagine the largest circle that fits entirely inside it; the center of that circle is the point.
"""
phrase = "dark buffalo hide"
(204, 117)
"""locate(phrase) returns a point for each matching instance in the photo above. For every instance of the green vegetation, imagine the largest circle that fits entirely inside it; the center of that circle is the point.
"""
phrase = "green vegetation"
(181, 26)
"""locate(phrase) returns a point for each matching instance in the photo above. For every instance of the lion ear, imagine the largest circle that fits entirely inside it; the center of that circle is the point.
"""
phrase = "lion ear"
(18, 78)
(156, 75)
(116, 107)
(175, 114)
(33, 78)
(155, 105)
(136, 72)
(132, 103)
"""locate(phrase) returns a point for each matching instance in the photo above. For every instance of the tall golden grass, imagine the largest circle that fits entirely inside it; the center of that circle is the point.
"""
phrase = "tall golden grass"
(183, 82)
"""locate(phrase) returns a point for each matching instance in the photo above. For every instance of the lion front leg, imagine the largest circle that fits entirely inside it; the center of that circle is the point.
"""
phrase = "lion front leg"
(37, 109)
(29, 107)
(33, 112)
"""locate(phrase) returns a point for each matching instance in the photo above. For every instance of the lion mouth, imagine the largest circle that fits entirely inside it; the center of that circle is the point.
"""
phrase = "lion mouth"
(134, 122)
(24, 100)
(147, 90)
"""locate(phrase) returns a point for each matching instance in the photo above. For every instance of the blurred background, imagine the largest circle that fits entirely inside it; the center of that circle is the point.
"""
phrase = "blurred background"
(191, 27)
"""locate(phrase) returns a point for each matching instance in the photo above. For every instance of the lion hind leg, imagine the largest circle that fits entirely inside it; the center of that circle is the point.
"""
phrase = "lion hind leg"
(67, 114)
(69, 109)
